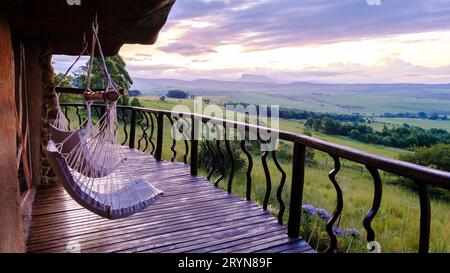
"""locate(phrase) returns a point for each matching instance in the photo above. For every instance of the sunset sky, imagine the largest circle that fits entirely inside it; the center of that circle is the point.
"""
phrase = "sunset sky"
(299, 40)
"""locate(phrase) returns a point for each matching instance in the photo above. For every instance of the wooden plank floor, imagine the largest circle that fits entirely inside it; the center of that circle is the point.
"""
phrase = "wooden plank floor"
(192, 216)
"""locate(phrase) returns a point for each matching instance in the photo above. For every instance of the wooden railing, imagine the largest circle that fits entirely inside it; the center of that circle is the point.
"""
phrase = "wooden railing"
(132, 119)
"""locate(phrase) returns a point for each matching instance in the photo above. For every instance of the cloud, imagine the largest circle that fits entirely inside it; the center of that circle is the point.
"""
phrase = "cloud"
(62, 62)
(185, 49)
(319, 73)
(289, 40)
(390, 70)
(292, 22)
(145, 55)
(151, 71)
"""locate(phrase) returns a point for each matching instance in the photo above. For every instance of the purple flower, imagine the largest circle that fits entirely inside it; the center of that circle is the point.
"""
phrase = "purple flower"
(338, 231)
(323, 214)
(353, 232)
(309, 210)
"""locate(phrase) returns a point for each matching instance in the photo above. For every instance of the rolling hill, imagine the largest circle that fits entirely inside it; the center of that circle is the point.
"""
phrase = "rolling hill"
(321, 97)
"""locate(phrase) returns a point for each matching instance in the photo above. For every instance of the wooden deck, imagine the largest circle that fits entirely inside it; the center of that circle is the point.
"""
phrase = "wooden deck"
(192, 216)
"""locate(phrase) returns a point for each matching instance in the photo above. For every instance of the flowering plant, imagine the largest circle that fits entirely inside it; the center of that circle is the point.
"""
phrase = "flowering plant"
(313, 227)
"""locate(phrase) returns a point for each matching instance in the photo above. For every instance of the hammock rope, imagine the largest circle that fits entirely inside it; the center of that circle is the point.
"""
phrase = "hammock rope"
(89, 161)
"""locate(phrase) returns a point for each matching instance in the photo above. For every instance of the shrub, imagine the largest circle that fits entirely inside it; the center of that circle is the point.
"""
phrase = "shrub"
(177, 94)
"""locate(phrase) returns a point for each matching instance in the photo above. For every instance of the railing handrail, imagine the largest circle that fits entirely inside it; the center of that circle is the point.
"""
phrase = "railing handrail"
(421, 176)
(413, 171)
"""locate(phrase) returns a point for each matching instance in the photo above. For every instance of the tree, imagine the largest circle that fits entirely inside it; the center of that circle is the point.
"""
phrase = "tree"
(136, 102)
(436, 156)
(66, 82)
(422, 115)
(116, 68)
(177, 94)
(309, 122)
(328, 126)
(405, 136)
(386, 141)
(434, 116)
(355, 134)
(124, 100)
(309, 153)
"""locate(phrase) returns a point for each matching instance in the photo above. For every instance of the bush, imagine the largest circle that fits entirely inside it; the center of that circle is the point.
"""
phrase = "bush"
(124, 100)
(400, 137)
(136, 102)
(436, 156)
(205, 158)
(177, 94)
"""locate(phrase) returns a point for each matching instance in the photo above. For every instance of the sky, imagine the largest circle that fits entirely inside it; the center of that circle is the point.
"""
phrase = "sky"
(331, 41)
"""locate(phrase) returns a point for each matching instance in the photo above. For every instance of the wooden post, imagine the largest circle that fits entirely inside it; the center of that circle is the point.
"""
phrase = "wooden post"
(159, 136)
(425, 217)
(35, 94)
(11, 232)
(298, 179)
(194, 145)
(132, 128)
(49, 110)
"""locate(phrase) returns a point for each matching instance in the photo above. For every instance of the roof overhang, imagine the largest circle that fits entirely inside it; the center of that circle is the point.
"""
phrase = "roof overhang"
(121, 22)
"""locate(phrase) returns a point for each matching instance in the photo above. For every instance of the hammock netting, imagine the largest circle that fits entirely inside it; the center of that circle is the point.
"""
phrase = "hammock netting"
(90, 163)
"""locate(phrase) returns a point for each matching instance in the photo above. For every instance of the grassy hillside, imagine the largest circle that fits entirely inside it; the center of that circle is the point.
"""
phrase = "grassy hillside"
(344, 99)
(422, 123)
(347, 103)
(287, 125)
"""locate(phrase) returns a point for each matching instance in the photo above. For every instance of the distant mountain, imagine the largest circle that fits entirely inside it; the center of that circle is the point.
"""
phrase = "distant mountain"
(203, 84)
(257, 82)
(134, 93)
(255, 79)
(369, 99)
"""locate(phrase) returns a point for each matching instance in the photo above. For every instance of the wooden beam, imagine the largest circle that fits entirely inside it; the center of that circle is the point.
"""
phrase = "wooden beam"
(11, 232)
(81, 91)
(35, 94)
(110, 96)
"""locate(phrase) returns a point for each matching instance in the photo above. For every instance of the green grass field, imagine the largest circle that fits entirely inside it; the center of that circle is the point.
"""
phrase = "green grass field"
(335, 101)
(422, 123)
(368, 104)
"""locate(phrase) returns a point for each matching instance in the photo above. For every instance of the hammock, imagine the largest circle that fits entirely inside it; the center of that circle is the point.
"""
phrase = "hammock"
(89, 161)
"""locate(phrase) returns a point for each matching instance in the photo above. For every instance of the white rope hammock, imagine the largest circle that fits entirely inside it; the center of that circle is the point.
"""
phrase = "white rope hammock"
(90, 163)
